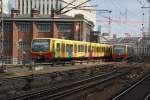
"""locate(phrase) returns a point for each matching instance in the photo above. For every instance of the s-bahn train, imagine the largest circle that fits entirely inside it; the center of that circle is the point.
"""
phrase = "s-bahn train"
(120, 52)
(53, 50)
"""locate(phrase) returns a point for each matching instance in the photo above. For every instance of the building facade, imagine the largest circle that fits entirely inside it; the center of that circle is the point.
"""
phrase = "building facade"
(46, 6)
(20, 30)
(6, 6)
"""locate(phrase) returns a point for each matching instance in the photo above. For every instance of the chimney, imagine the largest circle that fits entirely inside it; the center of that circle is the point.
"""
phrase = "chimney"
(14, 12)
(34, 12)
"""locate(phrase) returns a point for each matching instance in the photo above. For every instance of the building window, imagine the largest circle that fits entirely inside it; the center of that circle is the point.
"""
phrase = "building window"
(23, 45)
(25, 27)
(23, 7)
(64, 27)
(48, 9)
(27, 7)
(52, 4)
(44, 27)
(18, 4)
(56, 5)
(7, 27)
(43, 9)
(6, 45)
(31, 4)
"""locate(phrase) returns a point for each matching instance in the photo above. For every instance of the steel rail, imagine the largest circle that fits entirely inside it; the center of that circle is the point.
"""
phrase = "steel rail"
(77, 89)
(131, 88)
(66, 89)
(56, 89)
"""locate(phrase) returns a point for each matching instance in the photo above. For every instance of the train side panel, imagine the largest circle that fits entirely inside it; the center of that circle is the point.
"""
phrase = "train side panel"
(60, 49)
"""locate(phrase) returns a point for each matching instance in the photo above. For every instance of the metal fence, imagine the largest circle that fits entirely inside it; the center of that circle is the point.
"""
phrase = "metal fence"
(11, 60)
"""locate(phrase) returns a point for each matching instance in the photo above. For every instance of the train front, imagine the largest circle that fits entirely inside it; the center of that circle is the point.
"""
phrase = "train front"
(40, 50)
(119, 52)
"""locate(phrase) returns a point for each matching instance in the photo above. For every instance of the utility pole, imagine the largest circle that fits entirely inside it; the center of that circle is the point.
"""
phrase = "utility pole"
(1, 38)
(109, 26)
(149, 16)
(144, 43)
(149, 20)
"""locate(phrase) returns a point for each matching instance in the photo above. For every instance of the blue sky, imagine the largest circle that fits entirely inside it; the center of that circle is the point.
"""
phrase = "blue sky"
(127, 11)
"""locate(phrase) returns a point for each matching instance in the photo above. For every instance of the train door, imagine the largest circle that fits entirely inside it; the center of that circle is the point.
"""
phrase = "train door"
(75, 51)
(58, 49)
(63, 46)
(52, 49)
(89, 51)
(69, 50)
(86, 53)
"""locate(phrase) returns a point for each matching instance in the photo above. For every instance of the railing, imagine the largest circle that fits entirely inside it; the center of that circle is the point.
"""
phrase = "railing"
(11, 60)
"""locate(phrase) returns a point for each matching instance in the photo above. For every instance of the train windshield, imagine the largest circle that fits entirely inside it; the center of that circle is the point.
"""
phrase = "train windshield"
(40, 45)
(119, 50)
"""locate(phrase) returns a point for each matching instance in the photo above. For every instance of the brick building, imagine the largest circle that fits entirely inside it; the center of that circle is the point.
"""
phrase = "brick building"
(20, 30)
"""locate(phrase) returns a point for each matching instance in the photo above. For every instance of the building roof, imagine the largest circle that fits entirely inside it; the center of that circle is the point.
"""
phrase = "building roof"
(64, 18)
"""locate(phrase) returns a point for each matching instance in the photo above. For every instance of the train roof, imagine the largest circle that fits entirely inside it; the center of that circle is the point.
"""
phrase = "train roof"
(108, 45)
(122, 45)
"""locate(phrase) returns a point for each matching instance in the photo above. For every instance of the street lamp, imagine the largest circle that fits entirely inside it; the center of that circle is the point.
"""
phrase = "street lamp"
(20, 48)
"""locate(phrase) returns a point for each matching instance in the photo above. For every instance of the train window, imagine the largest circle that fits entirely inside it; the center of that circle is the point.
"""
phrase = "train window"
(58, 47)
(97, 49)
(102, 49)
(63, 47)
(82, 48)
(78, 48)
(89, 49)
(92, 48)
(105, 49)
(71, 47)
(85, 48)
(75, 47)
(67, 47)
(53, 45)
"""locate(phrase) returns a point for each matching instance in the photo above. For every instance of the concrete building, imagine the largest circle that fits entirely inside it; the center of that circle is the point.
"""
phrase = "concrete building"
(45, 7)
(20, 30)
(6, 6)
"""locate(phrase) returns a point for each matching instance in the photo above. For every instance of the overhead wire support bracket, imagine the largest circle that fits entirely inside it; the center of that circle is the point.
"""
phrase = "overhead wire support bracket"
(75, 7)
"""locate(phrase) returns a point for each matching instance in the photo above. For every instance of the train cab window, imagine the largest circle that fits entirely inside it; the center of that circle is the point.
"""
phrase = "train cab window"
(58, 47)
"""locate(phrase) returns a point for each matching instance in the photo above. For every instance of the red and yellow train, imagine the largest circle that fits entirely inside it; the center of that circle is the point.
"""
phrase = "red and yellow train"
(52, 50)
(120, 52)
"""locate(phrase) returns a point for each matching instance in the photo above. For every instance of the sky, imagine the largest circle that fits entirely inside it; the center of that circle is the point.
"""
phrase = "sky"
(127, 16)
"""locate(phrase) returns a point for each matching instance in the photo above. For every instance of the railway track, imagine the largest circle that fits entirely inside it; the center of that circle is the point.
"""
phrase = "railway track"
(138, 91)
(66, 90)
